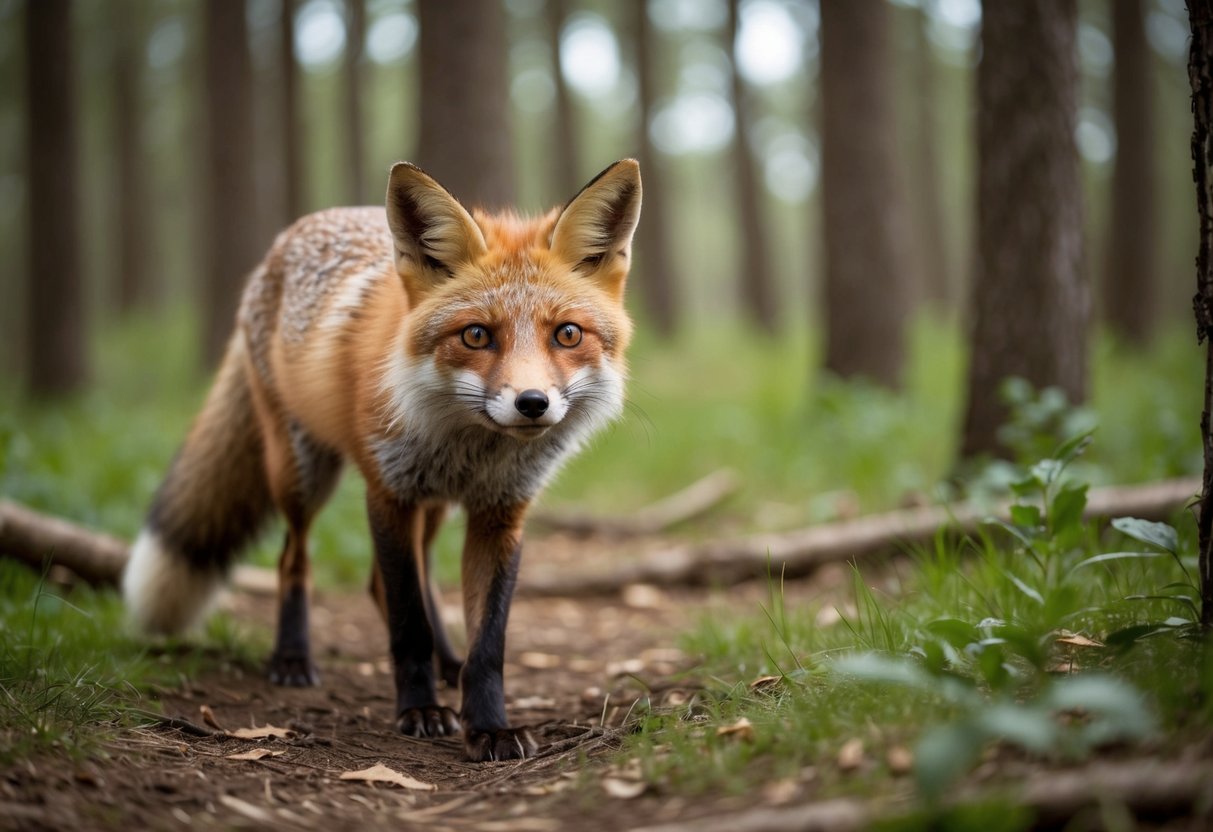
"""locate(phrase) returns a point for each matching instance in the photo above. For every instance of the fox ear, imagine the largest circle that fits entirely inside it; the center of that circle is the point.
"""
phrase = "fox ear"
(594, 232)
(432, 232)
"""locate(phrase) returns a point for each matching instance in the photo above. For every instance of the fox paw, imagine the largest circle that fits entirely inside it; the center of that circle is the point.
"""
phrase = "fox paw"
(501, 744)
(429, 721)
(292, 670)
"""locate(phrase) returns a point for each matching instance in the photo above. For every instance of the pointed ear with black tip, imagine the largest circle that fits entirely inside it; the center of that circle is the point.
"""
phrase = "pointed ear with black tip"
(594, 232)
(431, 231)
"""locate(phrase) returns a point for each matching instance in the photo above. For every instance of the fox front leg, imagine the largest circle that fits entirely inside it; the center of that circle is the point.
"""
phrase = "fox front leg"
(395, 529)
(491, 556)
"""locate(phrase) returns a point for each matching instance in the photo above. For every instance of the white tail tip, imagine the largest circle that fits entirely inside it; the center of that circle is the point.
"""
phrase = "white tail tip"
(163, 592)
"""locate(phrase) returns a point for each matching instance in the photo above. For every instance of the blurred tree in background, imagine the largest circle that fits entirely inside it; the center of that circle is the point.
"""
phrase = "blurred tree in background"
(1030, 296)
(150, 149)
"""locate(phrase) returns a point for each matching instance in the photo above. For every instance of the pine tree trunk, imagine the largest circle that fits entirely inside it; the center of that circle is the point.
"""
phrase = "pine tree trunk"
(466, 142)
(355, 29)
(866, 263)
(132, 287)
(1129, 292)
(756, 277)
(291, 137)
(231, 243)
(1031, 303)
(55, 327)
(655, 280)
(566, 170)
(1200, 75)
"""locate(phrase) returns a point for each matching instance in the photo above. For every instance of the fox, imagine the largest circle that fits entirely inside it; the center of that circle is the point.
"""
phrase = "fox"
(454, 357)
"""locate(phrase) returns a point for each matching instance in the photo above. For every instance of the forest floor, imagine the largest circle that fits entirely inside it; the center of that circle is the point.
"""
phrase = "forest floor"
(577, 669)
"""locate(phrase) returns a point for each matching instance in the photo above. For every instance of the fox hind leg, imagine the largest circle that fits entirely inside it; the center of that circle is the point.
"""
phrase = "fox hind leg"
(302, 474)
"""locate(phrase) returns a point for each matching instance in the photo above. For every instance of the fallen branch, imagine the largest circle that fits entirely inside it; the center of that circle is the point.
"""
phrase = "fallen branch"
(696, 499)
(797, 553)
(36, 538)
(1148, 788)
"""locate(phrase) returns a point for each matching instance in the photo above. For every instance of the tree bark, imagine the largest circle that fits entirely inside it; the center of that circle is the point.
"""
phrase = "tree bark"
(132, 288)
(355, 34)
(566, 172)
(757, 280)
(930, 232)
(1129, 281)
(466, 141)
(56, 341)
(657, 277)
(1200, 76)
(231, 248)
(1031, 302)
(866, 262)
(291, 137)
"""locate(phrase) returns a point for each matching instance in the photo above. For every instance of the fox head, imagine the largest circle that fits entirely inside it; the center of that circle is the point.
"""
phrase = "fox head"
(515, 324)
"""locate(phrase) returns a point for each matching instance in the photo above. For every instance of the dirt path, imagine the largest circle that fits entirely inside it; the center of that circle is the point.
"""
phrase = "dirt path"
(575, 669)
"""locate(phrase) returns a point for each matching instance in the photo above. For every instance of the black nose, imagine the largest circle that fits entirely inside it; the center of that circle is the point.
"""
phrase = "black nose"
(531, 403)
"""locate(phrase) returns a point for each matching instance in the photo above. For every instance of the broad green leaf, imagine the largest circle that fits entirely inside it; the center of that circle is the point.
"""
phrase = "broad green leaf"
(1131, 634)
(1066, 511)
(944, 754)
(954, 631)
(1026, 516)
(1161, 535)
(1074, 446)
(1117, 703)
(1047, 470)
(872, 667)
(1109, 556)
(1027, 727)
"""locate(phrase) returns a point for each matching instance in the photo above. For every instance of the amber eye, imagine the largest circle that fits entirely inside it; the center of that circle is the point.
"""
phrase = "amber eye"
(568, 335)
(476, 337)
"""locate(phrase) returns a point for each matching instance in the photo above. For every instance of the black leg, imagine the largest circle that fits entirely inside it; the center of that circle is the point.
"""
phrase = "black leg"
(491, 559)
(412, 642)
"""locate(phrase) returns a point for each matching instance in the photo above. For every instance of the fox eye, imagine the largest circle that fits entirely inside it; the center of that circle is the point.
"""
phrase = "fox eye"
(568, 335)
(476, 337)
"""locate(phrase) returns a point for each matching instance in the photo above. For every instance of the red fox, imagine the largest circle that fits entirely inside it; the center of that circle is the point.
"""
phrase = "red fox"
(453, 357)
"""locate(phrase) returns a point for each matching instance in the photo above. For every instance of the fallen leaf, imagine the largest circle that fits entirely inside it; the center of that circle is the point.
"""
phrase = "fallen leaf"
(208, 716)
(535, 703)
(899, 759)
(850, 756)
(780, 791)
(1079, 641)
(627, 667)
(623, 789)
(264, 732)
(380, 773)
(255, 754)
(643, 597)
(742, 729)
(539, 661)
(765, 684)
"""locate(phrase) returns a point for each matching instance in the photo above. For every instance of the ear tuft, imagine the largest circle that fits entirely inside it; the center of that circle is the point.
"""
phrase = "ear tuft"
(594, 232)
(431, 231)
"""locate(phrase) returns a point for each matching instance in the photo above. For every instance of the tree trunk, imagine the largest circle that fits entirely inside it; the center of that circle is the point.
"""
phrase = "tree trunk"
(1031, 303)
(930, 233)
(466, 141)
(757, 280)
(866, 280)
(132, 287)
(292, 130)
(566, 170)
(1129, 291)
(656, 278)
(1200, 75)
(231, 248)
(55, 328)
(355, 28)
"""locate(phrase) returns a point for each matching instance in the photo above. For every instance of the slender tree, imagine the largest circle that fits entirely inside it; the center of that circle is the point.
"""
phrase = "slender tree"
(925, 200)
(656, 281)
(466, 140)
(56, 358)
(1031, 303)
(355, 31)
(1200, 75)
(132, 287)
(757, 278)
(1129, 293)
(566, 172)
(231, 242)
(866, 263)
(291, 138)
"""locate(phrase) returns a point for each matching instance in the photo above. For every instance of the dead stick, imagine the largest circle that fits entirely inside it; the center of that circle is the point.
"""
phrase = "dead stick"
(796, 553)
(36, 538)
(696, 499)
